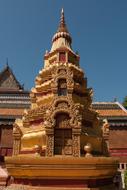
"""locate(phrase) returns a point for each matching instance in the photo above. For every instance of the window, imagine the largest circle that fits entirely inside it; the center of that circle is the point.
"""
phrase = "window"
(62, 92)
(62, 135)
(62, 57)
(62, 87)
(122, 166)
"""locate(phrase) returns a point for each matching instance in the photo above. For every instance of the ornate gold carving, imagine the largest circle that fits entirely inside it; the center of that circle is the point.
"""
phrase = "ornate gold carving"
(76, 145)
(34, 114)
(105, 127)
(69, 96)
(62, 104)
(38, 150)
(50, 145)
(16, 139)
(68, 148)
(62, 71)
(62, 121)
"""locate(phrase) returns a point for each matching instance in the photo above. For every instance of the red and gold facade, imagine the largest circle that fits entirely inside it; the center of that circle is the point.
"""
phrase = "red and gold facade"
(114, 118)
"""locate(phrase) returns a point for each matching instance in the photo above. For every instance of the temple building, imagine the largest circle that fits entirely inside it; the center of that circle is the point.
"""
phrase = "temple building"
(114, 118)
(60, 106)
(13, 100)
(58, 143)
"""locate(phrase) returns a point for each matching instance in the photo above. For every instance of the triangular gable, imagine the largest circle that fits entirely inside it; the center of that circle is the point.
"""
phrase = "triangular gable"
(8, 81)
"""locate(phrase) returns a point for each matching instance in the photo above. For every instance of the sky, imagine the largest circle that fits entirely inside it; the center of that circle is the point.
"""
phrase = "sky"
(98, 29)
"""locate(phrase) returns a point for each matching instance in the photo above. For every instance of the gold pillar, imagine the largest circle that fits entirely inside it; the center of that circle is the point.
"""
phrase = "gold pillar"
(76, 142)
(49, 142)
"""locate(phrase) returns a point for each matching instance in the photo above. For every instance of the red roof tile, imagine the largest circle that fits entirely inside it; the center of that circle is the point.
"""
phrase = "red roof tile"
(11, 112)
(109, 112)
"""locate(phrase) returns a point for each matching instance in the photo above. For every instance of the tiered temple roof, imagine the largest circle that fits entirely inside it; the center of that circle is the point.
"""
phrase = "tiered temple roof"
(13, 100)
(114, 117)
(113, 111)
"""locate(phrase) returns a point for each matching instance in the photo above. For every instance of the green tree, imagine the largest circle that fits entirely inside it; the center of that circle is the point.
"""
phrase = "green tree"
(125, 102)
(125, 179)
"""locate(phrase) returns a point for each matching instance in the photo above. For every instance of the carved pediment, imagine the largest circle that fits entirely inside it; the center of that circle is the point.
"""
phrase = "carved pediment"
(8, 80)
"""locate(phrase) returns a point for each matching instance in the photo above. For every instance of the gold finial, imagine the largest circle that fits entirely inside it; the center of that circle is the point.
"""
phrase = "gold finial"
(7, 61)
(62, 25)
(62, 15)
(62, 30)
(62, 11)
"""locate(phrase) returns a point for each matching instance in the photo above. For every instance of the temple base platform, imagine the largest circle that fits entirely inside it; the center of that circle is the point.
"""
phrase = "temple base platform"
(18, 187)
(61, 173)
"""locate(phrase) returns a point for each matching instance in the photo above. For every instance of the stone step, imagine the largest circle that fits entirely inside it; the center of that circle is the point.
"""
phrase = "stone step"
(23, 187)
(27, 187)
(58, 188)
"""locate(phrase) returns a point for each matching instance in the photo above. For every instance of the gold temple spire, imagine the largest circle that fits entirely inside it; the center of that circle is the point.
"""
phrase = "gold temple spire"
(62, 26)
(62, 36)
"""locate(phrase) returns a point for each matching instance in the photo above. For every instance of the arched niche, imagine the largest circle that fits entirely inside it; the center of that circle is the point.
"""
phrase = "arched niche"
(62, 120)
(62, 134)
(62, 87)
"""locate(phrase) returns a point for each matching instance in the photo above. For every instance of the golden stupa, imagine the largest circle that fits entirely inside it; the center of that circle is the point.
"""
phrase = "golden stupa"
(58, 143)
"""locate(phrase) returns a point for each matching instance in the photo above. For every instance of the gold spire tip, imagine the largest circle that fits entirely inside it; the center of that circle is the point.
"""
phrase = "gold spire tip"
(62, 10)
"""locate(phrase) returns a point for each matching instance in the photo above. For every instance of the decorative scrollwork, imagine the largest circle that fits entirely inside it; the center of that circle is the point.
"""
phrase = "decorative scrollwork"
(62, 71)
(62, 105)
(76, 145)
(50, 145)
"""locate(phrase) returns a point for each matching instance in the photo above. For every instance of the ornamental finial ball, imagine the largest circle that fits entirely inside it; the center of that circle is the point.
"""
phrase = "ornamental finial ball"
(88, 149)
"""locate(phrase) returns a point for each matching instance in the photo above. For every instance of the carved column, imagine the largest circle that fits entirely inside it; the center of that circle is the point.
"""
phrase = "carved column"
(16, 146)
(76, 142)
(49, 142)
(16, 140)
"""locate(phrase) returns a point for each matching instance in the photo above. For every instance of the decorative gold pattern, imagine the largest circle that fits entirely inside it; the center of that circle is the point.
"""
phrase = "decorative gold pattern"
(60, 90)
(50, 145)
(17, 139)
